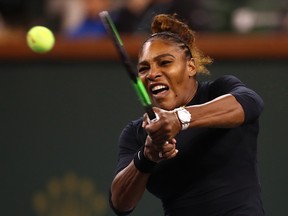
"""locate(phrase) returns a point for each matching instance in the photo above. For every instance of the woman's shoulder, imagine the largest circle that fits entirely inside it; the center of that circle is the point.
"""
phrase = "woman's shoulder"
(227, 79)
(225, 82)
(134, 126)
(220, 80)
(133, 133)
(211, 89)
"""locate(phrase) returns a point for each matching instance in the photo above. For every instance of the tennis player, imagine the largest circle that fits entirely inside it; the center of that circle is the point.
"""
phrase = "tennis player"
(200, 157)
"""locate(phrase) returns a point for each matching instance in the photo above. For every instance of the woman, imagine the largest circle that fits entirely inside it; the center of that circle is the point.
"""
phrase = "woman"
(199, 158)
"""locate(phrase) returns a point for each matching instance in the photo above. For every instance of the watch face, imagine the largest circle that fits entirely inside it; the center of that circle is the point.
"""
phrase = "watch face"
(184, 116)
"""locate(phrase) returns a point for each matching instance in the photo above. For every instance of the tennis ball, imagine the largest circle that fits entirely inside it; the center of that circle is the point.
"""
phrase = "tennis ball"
(40, 39)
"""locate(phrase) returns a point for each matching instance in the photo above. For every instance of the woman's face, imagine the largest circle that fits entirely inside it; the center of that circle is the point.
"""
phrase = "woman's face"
(168, 75)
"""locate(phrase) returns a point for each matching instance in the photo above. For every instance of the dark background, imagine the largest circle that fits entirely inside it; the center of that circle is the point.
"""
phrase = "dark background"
(59, 117)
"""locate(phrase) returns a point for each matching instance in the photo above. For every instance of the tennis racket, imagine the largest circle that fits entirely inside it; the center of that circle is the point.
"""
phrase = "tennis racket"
(136, 81)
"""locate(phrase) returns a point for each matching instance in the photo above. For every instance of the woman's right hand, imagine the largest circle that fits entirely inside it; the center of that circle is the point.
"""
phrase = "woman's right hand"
(166, 127)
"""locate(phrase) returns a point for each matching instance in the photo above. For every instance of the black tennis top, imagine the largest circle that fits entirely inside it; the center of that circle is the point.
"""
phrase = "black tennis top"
(215, 171)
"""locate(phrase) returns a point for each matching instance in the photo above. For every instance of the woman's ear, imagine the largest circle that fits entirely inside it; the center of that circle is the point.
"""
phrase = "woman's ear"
(191, 67)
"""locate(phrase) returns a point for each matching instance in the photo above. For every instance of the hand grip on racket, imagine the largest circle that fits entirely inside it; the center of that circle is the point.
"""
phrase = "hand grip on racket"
(136, 81)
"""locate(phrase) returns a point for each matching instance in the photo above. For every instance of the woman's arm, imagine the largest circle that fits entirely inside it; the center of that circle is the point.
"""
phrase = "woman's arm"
(223, 112)
(127, 188)
(130, 183)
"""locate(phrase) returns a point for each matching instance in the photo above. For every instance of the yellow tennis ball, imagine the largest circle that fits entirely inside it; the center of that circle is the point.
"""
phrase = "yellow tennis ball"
(40, 39)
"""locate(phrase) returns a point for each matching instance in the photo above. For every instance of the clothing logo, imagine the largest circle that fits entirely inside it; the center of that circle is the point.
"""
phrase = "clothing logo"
(70, 196)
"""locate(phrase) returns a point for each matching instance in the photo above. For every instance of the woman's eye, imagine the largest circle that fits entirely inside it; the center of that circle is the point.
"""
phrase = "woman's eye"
(166, 62)
(142, 69)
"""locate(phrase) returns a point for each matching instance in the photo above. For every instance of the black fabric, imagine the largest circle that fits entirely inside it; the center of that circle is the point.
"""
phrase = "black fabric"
(215, 171)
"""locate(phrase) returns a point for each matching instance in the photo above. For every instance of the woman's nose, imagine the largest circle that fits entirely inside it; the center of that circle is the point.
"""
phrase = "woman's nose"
(153, 73)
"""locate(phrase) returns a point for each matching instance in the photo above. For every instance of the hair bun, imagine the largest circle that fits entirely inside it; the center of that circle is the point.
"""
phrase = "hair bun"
(162, 22)
(170, 23)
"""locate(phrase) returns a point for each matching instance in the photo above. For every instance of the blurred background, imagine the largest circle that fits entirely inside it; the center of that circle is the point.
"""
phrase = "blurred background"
(76, 17)
(61, 113)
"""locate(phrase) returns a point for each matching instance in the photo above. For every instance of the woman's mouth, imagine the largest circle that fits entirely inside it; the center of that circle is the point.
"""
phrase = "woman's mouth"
(156, 89)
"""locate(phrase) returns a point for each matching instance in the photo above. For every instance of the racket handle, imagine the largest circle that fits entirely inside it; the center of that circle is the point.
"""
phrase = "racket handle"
(151, 114)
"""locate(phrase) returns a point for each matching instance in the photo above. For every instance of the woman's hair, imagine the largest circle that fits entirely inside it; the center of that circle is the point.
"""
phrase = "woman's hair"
(168, 27)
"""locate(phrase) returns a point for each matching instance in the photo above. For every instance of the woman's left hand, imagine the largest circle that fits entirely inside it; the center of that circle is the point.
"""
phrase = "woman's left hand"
(158, 152)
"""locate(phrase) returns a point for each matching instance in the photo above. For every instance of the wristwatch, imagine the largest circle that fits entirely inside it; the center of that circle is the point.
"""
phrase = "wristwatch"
(184, 117)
